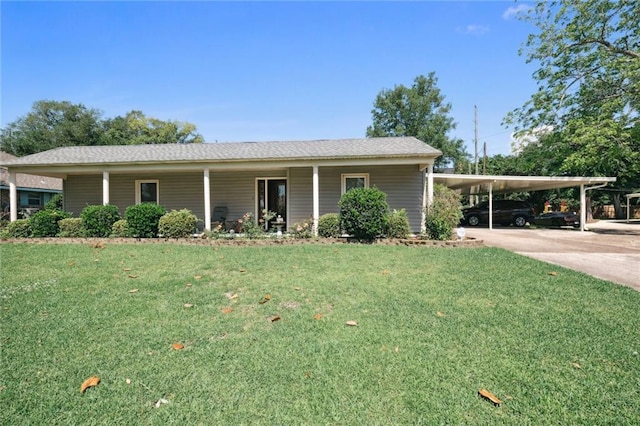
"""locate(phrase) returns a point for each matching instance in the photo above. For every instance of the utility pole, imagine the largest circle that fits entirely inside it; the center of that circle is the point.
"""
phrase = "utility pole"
(475, 139)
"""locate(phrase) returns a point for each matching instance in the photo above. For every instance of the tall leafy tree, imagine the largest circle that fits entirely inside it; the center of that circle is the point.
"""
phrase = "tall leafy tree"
(419, 111)
(51, 124)
(588, 58)
(136, 128)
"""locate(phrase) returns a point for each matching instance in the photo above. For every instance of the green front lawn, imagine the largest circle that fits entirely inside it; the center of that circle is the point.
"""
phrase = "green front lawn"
(434, 326)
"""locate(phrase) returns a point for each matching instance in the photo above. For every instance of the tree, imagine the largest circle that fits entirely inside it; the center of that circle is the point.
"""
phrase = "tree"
(52, 124)
(49, 125)
(588, 56)
(419, 111)
(135, 128)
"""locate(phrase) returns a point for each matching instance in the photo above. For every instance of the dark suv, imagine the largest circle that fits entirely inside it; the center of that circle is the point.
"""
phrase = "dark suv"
(505, 212)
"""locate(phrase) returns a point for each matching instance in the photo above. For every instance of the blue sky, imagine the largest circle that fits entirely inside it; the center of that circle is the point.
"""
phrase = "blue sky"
(258, 71)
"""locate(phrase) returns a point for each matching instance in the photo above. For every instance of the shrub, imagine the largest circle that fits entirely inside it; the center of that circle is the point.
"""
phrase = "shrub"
(363, 213)
(329, 225)
(142, 219)
(177, 224)
(249, 227)
(98, 220)
(444, 214)
(45, 222)
(398, 224)
(120, 229)
(302, 230)
(71, 227)
(55, 203)
(20, 228)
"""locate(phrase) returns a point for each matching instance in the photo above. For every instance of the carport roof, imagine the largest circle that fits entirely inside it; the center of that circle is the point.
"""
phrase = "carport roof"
(479, 184)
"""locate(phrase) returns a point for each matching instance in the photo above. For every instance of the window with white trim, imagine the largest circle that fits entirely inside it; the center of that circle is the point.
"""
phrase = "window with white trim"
(148, 191)
(354, 180)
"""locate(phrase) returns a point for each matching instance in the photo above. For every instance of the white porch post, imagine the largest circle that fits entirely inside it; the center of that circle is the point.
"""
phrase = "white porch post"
(430, 185)
(490, 205)
(423, 217)
(316, 200)
(13, 197)
(105, 188)
(207, 201)
(583, 207)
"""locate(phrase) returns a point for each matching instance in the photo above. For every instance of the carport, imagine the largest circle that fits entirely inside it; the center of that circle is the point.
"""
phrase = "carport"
(629, 197)
(493, 184)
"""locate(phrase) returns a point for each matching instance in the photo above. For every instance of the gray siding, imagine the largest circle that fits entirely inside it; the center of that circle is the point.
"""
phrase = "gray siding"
(402, 184)
(80, 191)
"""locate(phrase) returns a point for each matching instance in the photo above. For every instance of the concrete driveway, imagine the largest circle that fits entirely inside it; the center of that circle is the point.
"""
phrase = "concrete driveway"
(610, 250)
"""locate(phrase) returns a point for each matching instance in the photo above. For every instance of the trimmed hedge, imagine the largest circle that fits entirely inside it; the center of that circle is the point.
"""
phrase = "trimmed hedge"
(329, 225)
(177, 224)
(71, 227)
(143, 219)
(398, 224)
(120, 229)
(98, 220)
(20, 228)
(45, 222)
(363, 213)
(444, 214)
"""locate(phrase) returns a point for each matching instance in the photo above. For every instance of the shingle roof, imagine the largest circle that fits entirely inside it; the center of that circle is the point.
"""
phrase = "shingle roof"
(27, 181)
(393, 147)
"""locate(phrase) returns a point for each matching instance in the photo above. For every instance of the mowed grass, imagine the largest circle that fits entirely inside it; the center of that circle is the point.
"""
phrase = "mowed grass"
(435, 325)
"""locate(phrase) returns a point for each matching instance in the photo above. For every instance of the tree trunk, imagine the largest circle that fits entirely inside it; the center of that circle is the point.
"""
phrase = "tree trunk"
(617, 207)
(589, 212)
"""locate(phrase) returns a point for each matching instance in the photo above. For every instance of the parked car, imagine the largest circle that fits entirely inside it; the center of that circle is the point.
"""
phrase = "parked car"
(558, 219)
(505, 212)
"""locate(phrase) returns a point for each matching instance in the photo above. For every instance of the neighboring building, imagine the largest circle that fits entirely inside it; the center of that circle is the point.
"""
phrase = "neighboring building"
(299, 180)
(33, 191)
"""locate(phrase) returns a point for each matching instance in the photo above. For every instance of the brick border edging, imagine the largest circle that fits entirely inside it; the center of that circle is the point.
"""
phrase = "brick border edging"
(467, 242)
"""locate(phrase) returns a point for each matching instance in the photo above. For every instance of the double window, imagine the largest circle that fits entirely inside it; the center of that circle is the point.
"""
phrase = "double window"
(354, 180)
(148, 191)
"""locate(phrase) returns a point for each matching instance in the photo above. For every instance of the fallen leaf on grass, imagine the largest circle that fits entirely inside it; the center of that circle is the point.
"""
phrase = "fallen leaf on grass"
(227, 310)
(71, 263)
(90, 382)
(188, 285)
(160, 402)
(98, 245)
(385, 272)
(231, 295)
(243, 270)
(489, 396)
(396, 349)
(317, 316)
(576, 365)
(351, 323)
(440, 314)
(177, 346)
(197, 277)
(133, 276)
(133, 290)
(274, 318)
(553, 273)
(126, 269)
(128, 381)
(188, 305)
(265, 299)
(297, 288)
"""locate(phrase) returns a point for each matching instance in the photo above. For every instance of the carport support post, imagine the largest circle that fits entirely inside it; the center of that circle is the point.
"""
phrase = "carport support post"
(105, 188)
(207, 201)
(490, 205)
(13, 197)
(583, 209)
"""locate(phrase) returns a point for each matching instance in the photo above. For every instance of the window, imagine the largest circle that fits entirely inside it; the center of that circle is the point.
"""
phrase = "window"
(354, 180)
(34, 199)
(147, 191)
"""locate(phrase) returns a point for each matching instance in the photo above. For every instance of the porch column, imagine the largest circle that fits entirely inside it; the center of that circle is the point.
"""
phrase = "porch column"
(430, 185)
(316, 200)
(207, 201)
(423, 217)
(105, 188)
(13, 197)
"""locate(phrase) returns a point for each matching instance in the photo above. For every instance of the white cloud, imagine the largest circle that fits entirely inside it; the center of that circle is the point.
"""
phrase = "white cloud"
(474, 29)
(513, 11)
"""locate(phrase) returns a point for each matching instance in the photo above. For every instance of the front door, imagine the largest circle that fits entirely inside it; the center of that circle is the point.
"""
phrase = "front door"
(272, 196)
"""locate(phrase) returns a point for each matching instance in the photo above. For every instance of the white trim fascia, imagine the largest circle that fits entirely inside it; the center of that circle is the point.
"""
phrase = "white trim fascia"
(138, 195)
(344, 176)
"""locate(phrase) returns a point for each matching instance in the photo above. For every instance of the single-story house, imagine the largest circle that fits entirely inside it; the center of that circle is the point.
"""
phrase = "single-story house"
(299, 180)
(32, 191)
